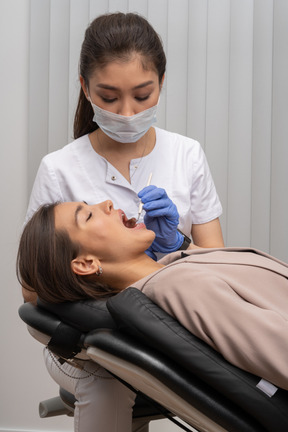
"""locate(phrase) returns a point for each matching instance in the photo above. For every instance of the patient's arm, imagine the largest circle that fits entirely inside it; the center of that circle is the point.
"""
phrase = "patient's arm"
(29, 296)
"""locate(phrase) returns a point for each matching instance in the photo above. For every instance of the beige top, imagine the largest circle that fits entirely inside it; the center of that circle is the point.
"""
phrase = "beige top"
(234, 299)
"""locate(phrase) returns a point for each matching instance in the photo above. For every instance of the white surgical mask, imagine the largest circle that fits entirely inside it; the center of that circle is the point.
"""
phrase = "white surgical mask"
(124, 129)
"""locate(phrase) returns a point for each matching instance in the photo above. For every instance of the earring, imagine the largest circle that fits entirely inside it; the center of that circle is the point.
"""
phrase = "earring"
(99, 271)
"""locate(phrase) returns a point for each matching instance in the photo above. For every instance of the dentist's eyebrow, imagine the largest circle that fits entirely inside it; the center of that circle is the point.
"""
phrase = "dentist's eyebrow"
(109, 87)
(145, 84)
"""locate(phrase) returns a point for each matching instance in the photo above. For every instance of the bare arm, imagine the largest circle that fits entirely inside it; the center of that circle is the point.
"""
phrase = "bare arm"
(208, 235)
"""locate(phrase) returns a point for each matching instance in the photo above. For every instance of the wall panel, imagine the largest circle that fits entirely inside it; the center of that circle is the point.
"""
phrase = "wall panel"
(97, 7)
(240, 121)
(177, 54)
(139, 6)
(58, 73)
(158, 17)
(118, 5)
(217, 97)
(197, 70)
(38, 85)
(261, 123)
(279, 157)
(80, 13)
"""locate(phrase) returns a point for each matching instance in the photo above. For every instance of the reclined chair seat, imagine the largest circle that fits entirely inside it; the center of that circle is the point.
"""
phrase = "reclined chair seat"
(149, 350)
(166, 382)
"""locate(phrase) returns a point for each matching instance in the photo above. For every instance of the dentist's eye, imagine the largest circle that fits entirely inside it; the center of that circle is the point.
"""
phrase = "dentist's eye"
(142, 98)
(89, 216)
(108, 100)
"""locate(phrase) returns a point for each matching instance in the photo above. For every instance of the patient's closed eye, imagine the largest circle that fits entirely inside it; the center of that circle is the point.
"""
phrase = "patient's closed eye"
(89, 216)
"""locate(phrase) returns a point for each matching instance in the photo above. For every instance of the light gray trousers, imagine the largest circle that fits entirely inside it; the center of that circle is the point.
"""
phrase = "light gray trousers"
(103, 403)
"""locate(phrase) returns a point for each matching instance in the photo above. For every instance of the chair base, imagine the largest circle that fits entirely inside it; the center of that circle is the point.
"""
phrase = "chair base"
(54, 407)
(64, 405)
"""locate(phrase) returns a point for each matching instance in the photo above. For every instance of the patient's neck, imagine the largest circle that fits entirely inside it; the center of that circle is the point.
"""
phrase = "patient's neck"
(125, 274)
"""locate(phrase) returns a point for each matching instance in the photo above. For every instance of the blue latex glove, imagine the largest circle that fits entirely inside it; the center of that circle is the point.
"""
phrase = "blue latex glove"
(162, 217)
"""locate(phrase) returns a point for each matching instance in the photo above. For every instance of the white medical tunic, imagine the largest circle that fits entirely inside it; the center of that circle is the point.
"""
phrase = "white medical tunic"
(177, 163)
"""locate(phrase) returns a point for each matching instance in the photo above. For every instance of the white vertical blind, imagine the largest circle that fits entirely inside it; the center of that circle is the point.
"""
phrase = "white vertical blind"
(38, 85)
(177, 70)
(226, 86)
(240, 122)
(279, 154)
(261, 124)
(197, 70)
(217, 98)
(58, 73)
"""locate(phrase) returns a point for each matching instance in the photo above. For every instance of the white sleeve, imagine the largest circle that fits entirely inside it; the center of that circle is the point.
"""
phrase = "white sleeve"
(45, 189)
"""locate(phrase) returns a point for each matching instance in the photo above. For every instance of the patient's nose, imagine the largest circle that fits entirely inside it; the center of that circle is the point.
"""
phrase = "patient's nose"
(108, 206)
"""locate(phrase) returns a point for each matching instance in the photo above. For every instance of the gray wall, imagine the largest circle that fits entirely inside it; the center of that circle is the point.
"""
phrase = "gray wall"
(226, 85)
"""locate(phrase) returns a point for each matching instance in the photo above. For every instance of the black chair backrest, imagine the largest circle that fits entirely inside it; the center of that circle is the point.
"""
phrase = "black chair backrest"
(137, 315)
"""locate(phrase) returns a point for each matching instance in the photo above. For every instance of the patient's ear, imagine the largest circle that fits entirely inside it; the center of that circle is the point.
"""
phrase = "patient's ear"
(84, 266)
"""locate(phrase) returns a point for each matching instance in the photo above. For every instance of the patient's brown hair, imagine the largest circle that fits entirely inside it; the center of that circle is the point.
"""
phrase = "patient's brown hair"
(44, 262)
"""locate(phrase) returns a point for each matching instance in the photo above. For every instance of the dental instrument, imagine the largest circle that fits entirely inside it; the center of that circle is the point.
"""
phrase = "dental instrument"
(141, 204)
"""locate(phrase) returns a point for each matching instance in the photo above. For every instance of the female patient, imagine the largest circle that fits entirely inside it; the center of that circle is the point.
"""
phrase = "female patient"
(236, 300)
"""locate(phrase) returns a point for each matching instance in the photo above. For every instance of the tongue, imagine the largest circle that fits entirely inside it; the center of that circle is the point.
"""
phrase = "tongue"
(130, 223)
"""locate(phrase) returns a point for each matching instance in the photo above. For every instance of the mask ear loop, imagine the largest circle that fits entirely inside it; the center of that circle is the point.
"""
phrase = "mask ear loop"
(158, 99)
(89, 99)
(88, 95)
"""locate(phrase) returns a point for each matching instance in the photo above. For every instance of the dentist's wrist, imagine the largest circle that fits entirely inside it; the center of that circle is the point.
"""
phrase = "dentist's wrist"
(186, 241)
(173, 246)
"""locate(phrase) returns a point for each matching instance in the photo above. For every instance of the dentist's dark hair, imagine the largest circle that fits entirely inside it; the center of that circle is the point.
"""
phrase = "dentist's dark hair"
(115, 37)
(44, 262)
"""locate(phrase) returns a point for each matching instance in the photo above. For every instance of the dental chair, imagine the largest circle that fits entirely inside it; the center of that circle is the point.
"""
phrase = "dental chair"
(173, 373)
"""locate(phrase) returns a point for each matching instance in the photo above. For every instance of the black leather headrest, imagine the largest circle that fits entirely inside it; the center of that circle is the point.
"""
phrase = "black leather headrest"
(38, 319)
(65, 340)
(84, 315)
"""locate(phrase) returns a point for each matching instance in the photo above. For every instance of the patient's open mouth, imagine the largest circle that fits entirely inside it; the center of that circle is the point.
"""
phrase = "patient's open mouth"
(129, 223)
